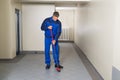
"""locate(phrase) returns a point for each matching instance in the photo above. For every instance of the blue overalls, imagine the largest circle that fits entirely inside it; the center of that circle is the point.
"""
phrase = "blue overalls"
(56, 31)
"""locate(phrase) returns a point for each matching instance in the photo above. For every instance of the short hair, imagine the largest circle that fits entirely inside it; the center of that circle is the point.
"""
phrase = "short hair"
(56, 14)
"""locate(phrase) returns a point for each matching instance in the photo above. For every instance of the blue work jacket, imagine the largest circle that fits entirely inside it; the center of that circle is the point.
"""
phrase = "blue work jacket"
(56, 28)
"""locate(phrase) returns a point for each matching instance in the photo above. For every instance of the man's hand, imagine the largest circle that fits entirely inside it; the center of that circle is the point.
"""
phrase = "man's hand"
(50, 27)
(53, 42)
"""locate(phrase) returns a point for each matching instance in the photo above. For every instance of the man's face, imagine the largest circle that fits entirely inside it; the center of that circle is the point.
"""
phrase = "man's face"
(55, 18)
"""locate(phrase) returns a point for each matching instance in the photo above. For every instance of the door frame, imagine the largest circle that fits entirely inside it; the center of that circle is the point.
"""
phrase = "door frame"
(17, 13)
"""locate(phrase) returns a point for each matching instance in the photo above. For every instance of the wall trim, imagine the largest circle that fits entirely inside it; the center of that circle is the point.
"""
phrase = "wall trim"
(90, 68)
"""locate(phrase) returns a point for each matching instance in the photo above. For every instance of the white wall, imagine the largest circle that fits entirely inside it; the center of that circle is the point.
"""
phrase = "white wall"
(32, 18)
(7, 29)
(95, 33)
(67, 18)
(4, 29)
(116, 62)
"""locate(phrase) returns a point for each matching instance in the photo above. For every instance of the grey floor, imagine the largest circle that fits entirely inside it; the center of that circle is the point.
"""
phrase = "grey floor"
(32, 67)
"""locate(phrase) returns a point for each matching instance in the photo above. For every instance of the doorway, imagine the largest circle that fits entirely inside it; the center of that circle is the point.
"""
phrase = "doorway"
(67, 18)
(17, 14)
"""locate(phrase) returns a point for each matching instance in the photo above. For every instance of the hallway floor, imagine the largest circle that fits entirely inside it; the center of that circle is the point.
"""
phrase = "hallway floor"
(32, 67)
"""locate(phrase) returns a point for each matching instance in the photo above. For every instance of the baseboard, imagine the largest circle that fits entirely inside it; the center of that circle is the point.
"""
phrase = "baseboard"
(90, 68)
(66, 41)
(31, 52)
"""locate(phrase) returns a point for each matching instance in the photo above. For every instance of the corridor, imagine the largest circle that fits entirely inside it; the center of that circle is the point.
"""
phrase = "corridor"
(90, 39)
(31, 67)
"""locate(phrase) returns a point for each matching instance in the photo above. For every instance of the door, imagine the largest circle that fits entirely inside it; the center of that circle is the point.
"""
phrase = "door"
(17, 12)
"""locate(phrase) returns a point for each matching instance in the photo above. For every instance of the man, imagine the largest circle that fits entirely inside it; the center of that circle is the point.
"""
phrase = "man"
(52, 28)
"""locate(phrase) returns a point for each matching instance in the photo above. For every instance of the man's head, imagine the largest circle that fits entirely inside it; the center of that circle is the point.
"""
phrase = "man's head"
(55, 16)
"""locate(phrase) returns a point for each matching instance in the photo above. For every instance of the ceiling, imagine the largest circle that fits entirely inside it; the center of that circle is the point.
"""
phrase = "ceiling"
(55, 1)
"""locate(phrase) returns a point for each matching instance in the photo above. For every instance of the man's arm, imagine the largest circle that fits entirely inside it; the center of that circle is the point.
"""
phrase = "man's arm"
(44, 25)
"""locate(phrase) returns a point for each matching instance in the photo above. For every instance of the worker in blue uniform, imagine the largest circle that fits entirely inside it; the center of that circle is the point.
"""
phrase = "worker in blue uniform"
(52, 28)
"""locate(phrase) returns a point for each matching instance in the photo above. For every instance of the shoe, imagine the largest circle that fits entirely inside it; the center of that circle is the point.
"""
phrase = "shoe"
(47, 67)
(59, 66)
